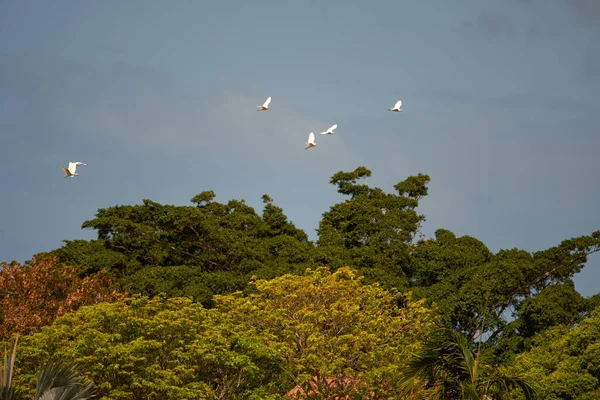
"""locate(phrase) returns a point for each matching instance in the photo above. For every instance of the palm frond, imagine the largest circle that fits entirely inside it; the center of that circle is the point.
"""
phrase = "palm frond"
(60, 381)
(7, 393)
(469, 392)
(506, 384)
(448, 368)
(6, 371)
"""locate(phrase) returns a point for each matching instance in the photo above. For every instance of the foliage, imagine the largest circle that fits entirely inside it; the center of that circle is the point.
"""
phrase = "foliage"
(207, 248)
(466, 281)
(558, 304)
(212, 248)
(55, 381)
(7, 391)
(34, 295)
(331, 326)
(447, 368)
(60, 381)
(564, 362)
(92, 257)
(373, 230)
(154, 349)
(247, 347)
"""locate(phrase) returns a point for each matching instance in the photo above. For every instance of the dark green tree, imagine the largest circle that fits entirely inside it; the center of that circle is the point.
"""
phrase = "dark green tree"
(466, 281)
(195, 251)
(558, 304)
(372, 230)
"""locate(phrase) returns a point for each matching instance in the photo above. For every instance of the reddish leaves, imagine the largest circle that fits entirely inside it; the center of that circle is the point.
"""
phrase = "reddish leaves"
(32, 296)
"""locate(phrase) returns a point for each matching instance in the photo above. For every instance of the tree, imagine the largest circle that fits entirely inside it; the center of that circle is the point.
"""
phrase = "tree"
(465, 280)
(197, 251)
(558, 304)
(256, 346)
(330, 327)
(210, 248)
(55, 381)
(7, 391)
(447, 368)
(33, 295)
(157, 348)
(564, 361)
(60, 381)
(92, 257)
(373, 230)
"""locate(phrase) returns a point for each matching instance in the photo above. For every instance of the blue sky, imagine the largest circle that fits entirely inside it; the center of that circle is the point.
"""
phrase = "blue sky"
(159, 99)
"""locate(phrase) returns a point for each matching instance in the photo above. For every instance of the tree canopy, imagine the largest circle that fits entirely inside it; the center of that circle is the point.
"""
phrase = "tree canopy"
(198, 251)
(219, 302)
(33, 295)
(564, 361)
(290, 330)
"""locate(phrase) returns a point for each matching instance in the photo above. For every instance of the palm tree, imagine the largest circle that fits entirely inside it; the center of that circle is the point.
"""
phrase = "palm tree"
(56, 381)
(60, 381)
(6, 369)
(447, 368)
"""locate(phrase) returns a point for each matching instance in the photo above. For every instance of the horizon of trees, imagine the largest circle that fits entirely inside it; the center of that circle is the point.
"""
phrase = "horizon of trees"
(207, 251)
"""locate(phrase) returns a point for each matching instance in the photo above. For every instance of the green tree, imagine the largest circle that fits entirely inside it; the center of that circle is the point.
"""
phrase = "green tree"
(448, 368)
(257, 346)
(373, 230)
(332, 327)
(558, 304)
(465, 280)
(564, 361)
(154, 349)
(55, 381)
(93, 256)
(196, 251)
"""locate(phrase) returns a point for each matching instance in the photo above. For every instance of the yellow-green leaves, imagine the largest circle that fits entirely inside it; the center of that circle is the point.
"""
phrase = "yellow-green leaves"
(329, 325)
(291, 330)
(564, 363)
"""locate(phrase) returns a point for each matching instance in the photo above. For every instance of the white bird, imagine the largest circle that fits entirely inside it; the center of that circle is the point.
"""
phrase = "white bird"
(70, 171)
(265, 106)
(397, 107)
(330, 131)
(311, 141)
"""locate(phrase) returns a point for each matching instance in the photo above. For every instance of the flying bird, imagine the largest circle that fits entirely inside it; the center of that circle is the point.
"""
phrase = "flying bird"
(311, 141)
(397, 107)
(330, 131)
(70, 171)
(265, 106)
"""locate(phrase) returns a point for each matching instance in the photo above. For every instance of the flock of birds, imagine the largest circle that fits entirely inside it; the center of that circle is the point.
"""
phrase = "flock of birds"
(70, 171)
(331, 131)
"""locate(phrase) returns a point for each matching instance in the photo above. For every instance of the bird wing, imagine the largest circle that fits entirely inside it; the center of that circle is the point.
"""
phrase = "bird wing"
(398, 104)
(66, 171)
(72, 167)
(267, 102)
(333, 127)
(311, 138)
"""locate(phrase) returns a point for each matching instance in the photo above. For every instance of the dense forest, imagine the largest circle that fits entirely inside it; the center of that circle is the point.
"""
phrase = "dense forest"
(217, 301)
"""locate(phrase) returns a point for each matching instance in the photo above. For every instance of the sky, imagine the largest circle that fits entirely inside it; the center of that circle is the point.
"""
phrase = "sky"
(159, 99)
